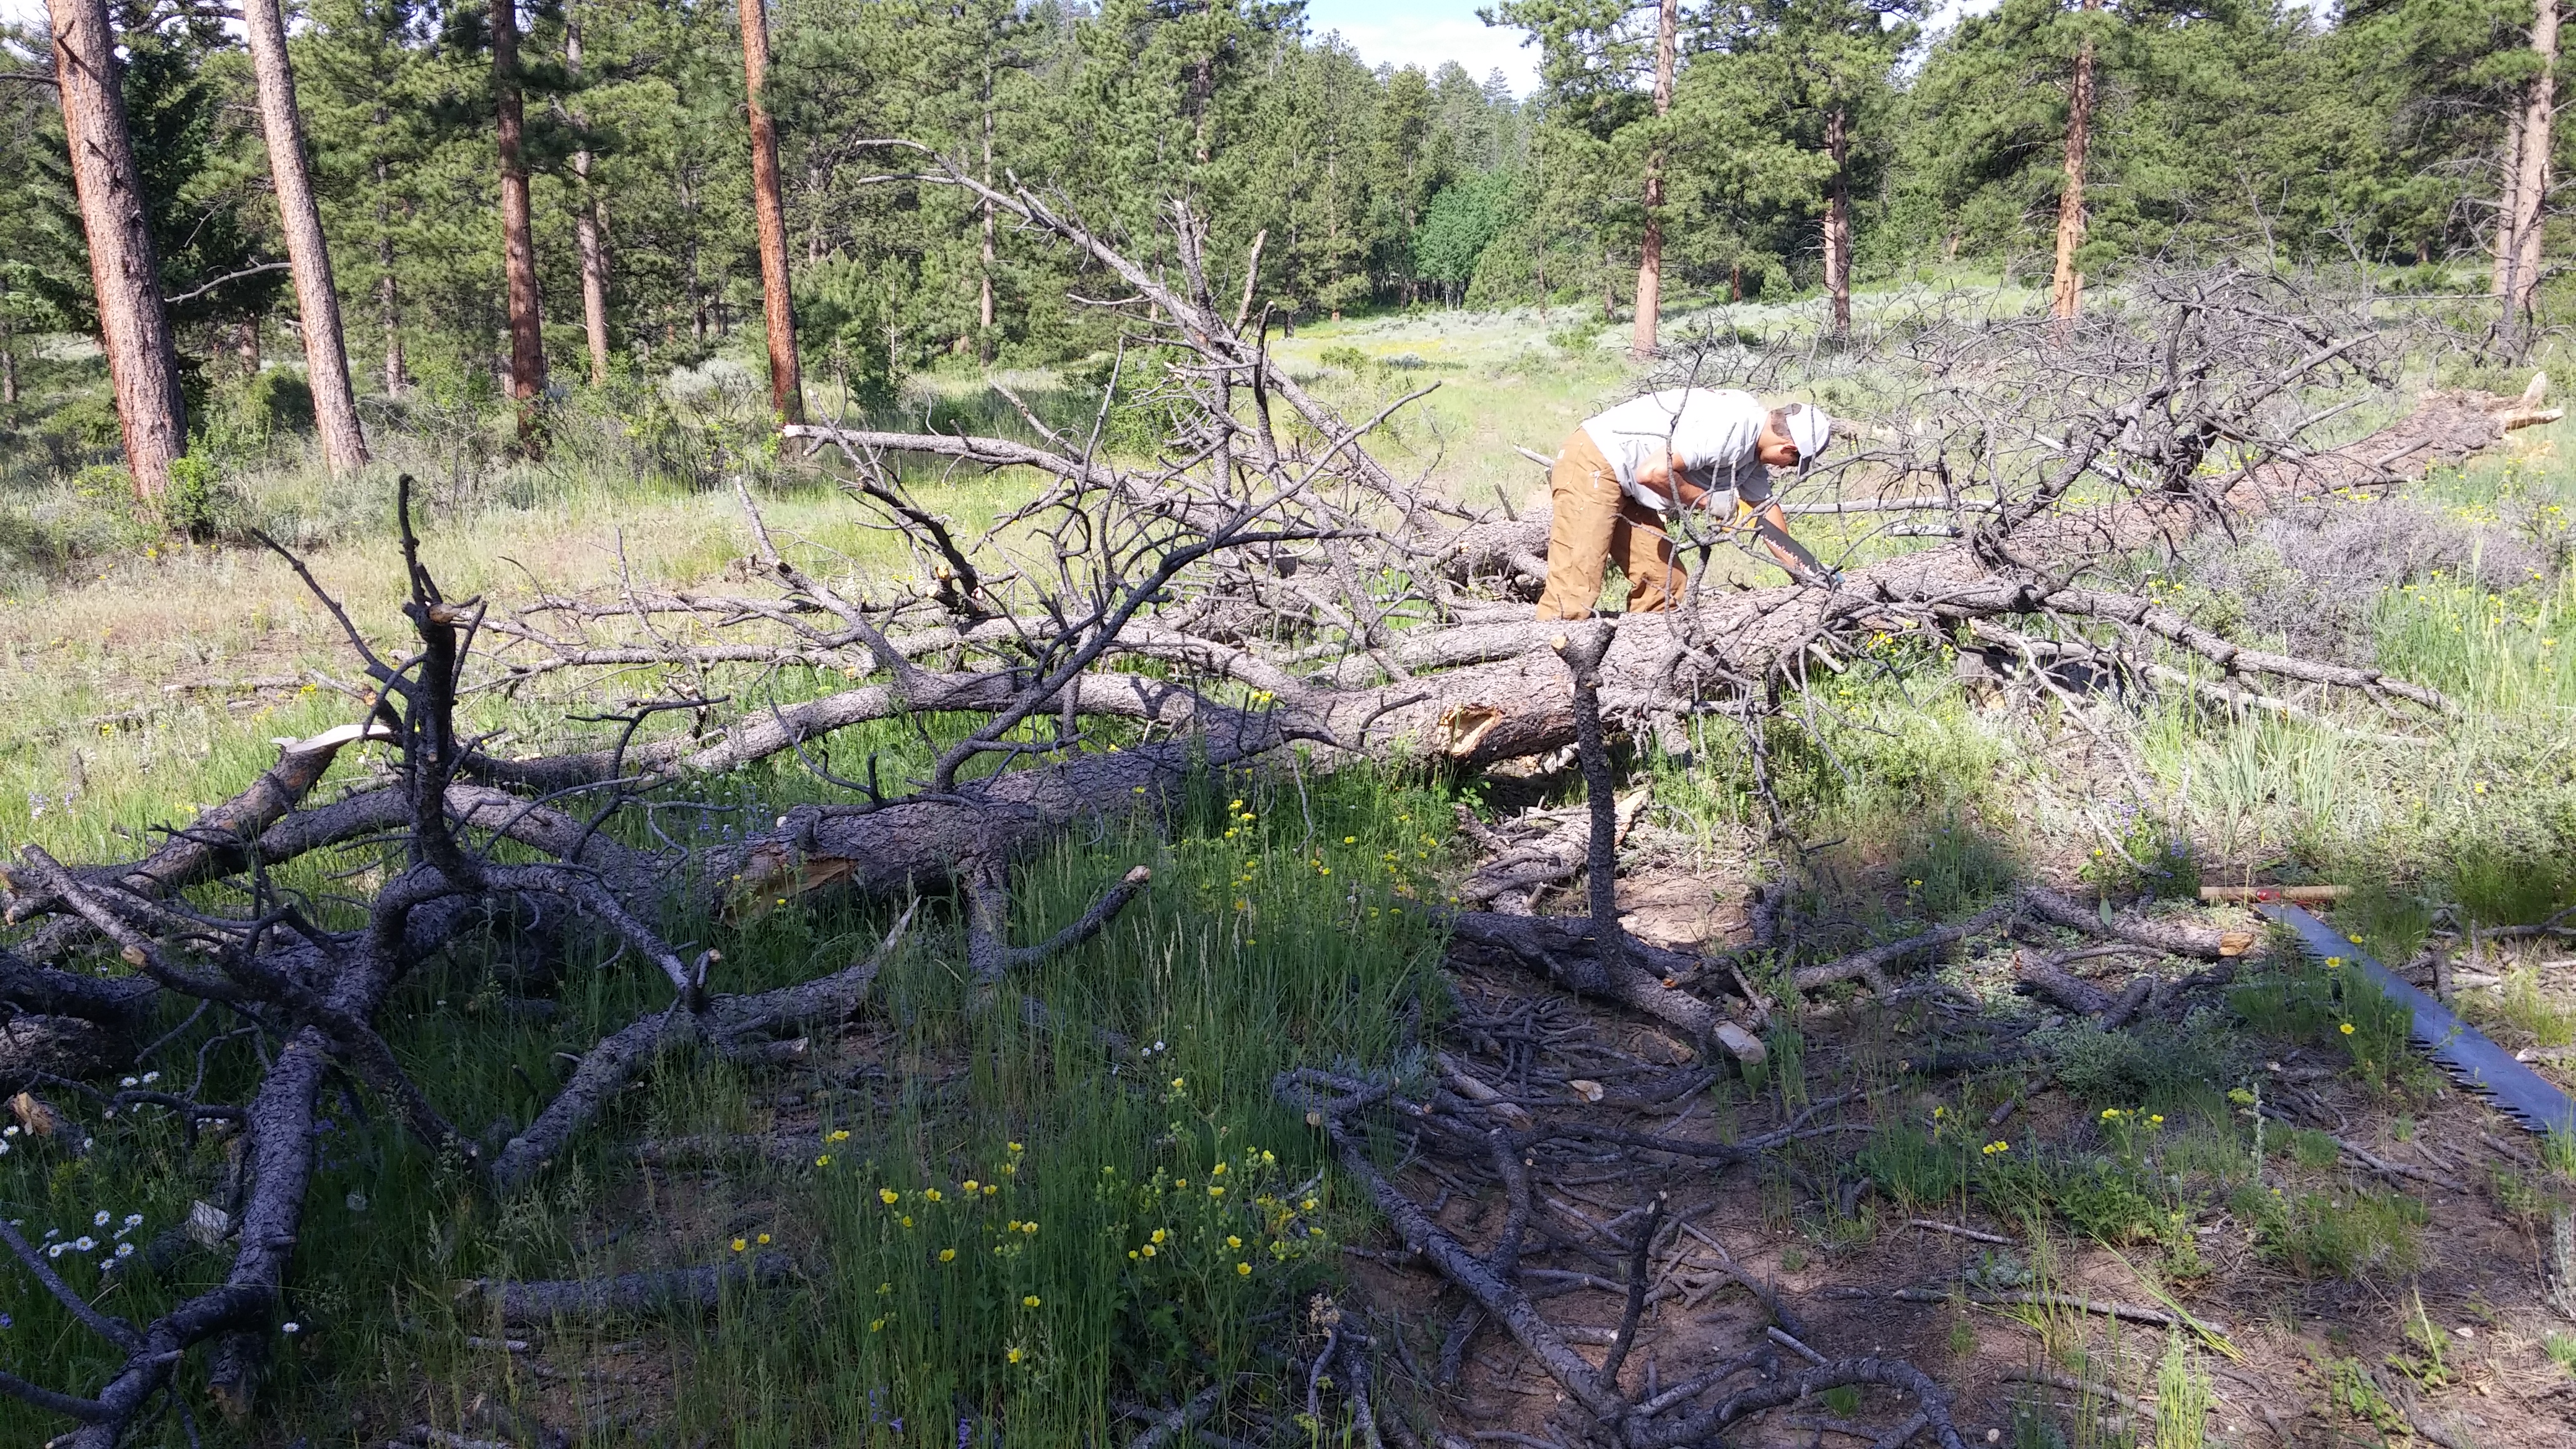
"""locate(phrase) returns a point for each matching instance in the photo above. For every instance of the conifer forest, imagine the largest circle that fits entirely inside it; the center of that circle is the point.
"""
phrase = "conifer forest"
(949, 724)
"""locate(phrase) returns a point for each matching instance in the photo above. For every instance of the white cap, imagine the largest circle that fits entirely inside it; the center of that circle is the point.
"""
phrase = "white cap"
(1809, 428)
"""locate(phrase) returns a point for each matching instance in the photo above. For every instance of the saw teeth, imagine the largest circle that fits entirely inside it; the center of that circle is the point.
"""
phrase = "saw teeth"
(2464, 1054)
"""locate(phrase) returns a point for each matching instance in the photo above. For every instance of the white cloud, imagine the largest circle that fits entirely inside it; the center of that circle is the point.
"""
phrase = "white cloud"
(1426, 33)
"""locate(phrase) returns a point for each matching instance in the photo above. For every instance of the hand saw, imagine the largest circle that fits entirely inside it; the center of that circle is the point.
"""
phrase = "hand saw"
(2456, 1047)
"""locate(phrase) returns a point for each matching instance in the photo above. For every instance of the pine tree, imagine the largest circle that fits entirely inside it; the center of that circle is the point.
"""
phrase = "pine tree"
(1804, 89)
(518, 233)
(317, 297)
(1597, 63)
(125, 263)
(368, 95)
(778, 306)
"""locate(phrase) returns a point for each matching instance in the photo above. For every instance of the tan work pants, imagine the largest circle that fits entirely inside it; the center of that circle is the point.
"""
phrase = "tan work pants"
(1597, 522)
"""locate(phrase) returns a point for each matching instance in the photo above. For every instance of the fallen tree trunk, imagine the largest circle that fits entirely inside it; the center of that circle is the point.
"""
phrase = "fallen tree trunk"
(593, 1300)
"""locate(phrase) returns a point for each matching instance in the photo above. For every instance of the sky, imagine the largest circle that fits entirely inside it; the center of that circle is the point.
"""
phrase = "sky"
(1394, 32)
(1425, 33)
(1384, 32)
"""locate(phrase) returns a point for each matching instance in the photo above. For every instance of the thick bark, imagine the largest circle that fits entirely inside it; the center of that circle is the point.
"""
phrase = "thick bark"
(786, 386)
(594, 258)
(518, 238)
(1838, 221)
(2508, 206)
(388, 288)
(1650, 253)
(124, 266)
(34, 1047)
(2066, 286)
(2528, 194)
(317, 297)
(984, 280)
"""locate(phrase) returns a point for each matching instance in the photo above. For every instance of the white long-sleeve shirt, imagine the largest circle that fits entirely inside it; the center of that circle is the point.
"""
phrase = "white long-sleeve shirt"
(1716, 432)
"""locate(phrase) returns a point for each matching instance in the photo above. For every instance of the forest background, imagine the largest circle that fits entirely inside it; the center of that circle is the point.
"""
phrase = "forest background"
(2378, 132)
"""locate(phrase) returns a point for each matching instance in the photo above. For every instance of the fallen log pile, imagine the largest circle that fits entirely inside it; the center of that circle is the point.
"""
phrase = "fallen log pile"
(1262, 583)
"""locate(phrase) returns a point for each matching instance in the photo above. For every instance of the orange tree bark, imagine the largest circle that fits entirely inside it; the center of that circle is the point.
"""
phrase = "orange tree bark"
(1838, 224)
(124, 267)
(594, 257)
(2518, 231)
(2066, 288)
(518, 242)
(1650, 254)
(317, 300)
(786, 386)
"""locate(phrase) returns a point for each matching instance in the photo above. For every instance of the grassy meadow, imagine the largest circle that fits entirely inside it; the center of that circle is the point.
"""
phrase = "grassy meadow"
(1022, 1226)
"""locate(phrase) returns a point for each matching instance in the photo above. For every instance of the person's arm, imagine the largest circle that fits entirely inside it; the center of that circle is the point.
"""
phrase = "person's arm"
(1671, 478)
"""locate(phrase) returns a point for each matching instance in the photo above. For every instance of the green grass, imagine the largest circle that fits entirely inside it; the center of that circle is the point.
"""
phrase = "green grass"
(1919, 802)
(2182, 1397)
(2332, 1004)
(2346, 1232)
(1119, 1137)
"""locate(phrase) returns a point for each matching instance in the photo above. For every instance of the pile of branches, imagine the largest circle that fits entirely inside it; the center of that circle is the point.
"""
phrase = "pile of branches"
(1261, 580)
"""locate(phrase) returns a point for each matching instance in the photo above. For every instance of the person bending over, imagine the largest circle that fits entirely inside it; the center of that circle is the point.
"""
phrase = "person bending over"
(1620, 473)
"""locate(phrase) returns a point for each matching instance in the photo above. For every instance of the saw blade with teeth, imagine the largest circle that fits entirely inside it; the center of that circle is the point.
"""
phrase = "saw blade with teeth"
(2458, 1048)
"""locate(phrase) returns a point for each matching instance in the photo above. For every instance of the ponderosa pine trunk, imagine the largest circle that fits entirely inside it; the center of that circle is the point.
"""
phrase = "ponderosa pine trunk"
(984, 297)
(1838, 226)
(786, 386)
(124, 266)
(585, 225)
(518, 239)
(308, 254)
(1650, 253)
(388, 287)
(2508, 205)
(2066, 286)
(2526, 201)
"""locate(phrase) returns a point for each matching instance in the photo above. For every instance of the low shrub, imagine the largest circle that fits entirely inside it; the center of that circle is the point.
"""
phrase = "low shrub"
(2344, 1234)
(2152, 1064)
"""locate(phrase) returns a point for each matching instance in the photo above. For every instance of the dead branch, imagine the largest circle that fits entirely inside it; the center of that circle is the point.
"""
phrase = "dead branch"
(1671, 1417)
(2169, 937)
(590, 1300)
(1871, 965)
